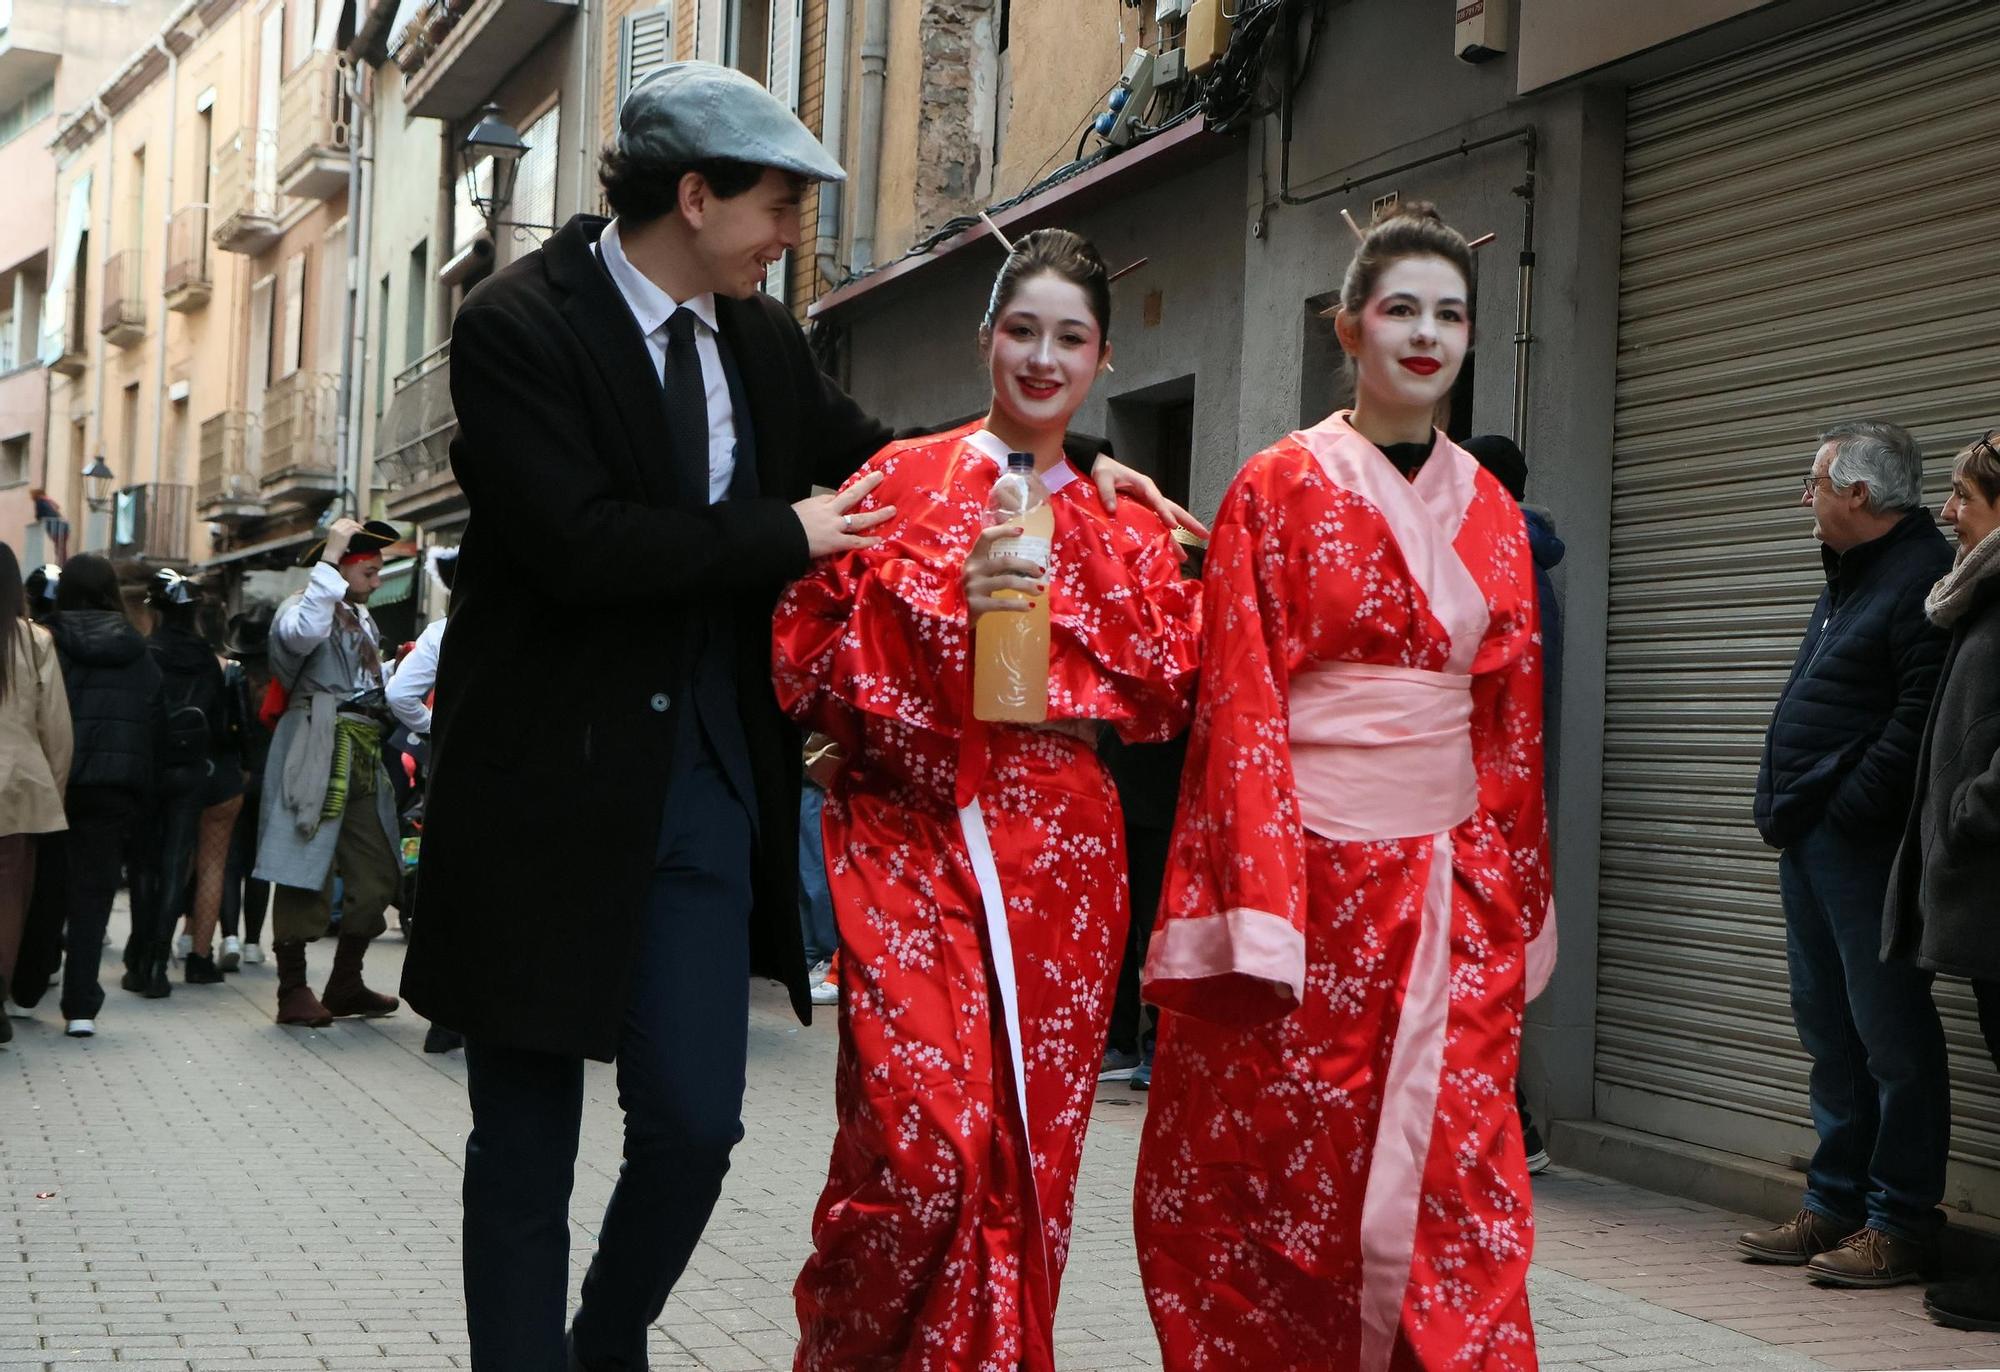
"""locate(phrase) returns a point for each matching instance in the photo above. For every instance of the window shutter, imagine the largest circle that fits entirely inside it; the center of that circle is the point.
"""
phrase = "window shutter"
(787, 39)
(645, 45)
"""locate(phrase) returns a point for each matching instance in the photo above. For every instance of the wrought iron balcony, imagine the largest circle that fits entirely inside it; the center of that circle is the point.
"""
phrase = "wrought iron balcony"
(188, 282)
(124, 317)
(298, 464)
(413, 441)
(150, 522)
(66, 343)
(228, 492)
(314, 119)
(245, 201)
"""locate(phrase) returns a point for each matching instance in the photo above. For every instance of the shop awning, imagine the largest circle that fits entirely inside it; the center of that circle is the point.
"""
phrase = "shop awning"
(399, 579)
(280, 544)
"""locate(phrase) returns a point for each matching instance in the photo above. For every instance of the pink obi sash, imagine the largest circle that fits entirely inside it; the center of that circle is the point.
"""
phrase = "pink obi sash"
(1382, 752)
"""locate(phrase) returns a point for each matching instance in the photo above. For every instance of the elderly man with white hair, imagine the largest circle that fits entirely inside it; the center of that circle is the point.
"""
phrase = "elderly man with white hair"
(1833, 790)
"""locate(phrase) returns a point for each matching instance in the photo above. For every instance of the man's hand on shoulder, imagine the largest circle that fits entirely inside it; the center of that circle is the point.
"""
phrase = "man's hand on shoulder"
(833, 526)
(1113, 476)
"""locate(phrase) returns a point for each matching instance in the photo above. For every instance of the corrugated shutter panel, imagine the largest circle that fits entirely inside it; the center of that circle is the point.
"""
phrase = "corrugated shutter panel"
(645, 45)
(1808, 235)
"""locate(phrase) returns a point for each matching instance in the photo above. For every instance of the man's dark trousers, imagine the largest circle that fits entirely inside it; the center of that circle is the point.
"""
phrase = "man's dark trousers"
(680, 1083)
(1880, 1093)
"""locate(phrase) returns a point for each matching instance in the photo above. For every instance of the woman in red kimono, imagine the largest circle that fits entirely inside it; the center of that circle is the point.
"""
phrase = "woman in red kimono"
(1332, 1175)
(977, 870)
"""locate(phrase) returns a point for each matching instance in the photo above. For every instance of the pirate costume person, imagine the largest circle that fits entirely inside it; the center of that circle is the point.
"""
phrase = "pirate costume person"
(327, 806)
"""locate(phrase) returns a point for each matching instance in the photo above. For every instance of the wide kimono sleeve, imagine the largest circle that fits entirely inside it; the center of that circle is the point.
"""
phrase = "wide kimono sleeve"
(877, 637)
(1507, 710)
(1229, 943)
(1125, 629)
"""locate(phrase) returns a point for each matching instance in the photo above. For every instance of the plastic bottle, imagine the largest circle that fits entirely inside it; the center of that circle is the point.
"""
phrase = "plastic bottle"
(1010, 677)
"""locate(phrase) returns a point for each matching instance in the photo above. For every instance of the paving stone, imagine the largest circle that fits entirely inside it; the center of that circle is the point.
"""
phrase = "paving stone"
(230, 1196)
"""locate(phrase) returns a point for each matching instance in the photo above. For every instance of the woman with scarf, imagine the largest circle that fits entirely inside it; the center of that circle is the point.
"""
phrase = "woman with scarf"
(977, 869)
(1332, 1175)
(1940, 909)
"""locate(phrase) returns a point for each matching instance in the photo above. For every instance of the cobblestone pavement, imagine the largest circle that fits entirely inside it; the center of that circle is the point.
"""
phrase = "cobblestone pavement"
(199, 1189)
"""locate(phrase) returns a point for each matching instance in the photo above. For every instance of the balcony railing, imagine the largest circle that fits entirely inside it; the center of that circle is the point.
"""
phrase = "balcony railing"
(124, 316)
(246, 192)
(452, 49)
(151, 522)
(314, 117)
(298, 464)
(187, 280)
(228, 492)
(66, 342)
(413, 441)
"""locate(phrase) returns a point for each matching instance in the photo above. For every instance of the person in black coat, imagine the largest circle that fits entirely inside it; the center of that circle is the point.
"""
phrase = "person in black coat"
(611, 830)
(1941, 912)
(115, 703)
(200, 769)
(1832, 791)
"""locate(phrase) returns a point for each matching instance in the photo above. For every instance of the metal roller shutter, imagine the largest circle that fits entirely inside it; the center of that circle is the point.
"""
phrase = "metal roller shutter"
(1808, 234)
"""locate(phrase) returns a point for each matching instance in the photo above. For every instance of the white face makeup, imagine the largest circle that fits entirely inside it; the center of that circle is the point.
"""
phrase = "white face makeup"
(1045, 351)
(1411, 336)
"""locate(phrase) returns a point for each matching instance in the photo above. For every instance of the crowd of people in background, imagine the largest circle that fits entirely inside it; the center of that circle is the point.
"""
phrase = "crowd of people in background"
(151, 742)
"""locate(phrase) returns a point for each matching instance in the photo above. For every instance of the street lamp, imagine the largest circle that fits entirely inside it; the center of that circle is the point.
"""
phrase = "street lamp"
(97, 482)
(492, 137)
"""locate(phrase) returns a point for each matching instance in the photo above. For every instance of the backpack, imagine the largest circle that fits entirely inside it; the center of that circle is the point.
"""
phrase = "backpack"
(186, 739)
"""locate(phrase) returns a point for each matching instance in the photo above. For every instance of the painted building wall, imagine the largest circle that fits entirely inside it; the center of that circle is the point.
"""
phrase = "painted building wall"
(409, 241)
(90, 41)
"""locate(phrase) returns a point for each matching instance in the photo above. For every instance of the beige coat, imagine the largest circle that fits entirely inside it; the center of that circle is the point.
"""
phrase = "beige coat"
(34, 737)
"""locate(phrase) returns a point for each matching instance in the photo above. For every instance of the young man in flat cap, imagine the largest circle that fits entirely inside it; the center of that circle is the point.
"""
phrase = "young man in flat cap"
(609, 852)
(327, 809)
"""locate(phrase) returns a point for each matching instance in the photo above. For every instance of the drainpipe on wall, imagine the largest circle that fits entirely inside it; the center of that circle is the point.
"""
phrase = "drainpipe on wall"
(868, 158)
(584, 83)
(82, 286)
(166, 246)
(354, 318)
(833, 133)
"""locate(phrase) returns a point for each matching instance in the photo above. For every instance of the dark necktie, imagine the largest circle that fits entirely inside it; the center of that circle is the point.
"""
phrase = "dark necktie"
(686, 395)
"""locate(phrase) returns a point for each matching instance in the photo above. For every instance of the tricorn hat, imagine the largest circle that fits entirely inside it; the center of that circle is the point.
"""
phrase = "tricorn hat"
(373, 538)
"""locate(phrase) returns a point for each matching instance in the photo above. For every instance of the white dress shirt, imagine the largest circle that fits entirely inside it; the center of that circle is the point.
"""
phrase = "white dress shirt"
(410, 687)
(653, 307)
(304, 624)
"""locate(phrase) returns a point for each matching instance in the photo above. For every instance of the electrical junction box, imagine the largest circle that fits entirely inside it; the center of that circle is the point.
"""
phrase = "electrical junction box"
(1170, 9)
(1480, 34)
(1170, 69)
(1129, 99)
(1207, 34)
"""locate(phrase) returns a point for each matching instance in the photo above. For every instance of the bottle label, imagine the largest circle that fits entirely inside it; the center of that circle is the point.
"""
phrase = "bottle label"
(1026, 547)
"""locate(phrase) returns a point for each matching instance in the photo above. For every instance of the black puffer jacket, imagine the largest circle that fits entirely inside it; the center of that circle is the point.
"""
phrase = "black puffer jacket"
(114, 699)
(194, 678)
(1842, 745)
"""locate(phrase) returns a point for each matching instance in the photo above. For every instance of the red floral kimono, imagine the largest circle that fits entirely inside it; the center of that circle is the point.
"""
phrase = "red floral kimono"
(1332, 1175)
(978, 878)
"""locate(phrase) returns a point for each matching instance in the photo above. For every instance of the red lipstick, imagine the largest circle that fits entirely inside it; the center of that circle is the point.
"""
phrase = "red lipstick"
(1422, 366)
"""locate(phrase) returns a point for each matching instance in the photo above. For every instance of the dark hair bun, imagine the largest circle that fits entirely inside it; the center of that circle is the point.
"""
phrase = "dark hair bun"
(1056, 252)
(1418, 210)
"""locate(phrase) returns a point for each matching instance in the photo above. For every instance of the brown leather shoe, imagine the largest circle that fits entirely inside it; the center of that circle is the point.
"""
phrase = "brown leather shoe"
(1872, 1258)
(298, 1005)
(345, 993)
(1794, 1243)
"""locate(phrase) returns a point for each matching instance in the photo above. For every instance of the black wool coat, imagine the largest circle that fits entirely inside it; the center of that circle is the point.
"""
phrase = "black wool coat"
(575, 611)
(1944, 893)
(1842, 746)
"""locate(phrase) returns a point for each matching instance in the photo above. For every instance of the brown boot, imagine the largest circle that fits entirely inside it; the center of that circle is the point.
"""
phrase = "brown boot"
(1872, 1258)
(345, 994)
(1796, 1242)
(296, 1002)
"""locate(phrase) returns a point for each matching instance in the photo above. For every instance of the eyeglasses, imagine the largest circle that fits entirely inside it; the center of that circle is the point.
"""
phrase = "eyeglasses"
(1985, 443)
(1813, 481)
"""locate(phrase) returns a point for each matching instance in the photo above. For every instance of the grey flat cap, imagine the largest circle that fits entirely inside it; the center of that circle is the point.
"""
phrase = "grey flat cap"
(698, 111)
